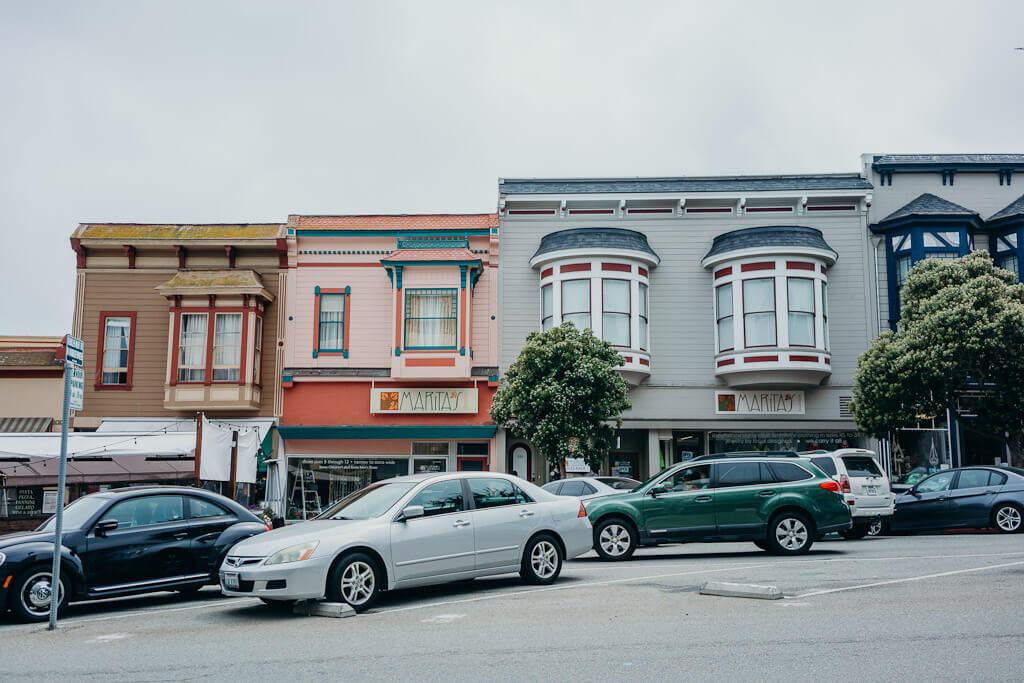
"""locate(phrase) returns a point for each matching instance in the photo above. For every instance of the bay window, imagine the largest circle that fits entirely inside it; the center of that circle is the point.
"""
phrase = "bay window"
(801, 311)
(431, 318)
(643, 316)
(192, 348)
(227, 347)
(576, 303)
(116, 344)
(723, 315)
(547, 307)
(615, 311)
(759, 312)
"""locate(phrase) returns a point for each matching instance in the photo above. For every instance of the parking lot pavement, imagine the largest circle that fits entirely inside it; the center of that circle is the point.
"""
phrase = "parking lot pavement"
(941, 607)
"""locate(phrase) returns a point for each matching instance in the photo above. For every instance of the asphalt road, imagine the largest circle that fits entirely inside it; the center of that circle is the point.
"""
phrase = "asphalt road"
(922, 607)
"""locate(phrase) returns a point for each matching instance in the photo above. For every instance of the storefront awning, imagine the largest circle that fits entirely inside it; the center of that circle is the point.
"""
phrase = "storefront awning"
(25, 424)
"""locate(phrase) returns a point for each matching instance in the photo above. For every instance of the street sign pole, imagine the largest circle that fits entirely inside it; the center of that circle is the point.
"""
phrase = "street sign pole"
(61, 476)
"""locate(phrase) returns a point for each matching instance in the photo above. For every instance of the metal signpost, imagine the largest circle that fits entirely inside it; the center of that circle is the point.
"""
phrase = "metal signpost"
(74, 389)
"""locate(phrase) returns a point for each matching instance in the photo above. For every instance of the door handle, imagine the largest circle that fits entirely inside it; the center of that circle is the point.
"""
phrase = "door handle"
(180, 535)
(702, 499)
(460, 523)
(525, 513)
(767, 492)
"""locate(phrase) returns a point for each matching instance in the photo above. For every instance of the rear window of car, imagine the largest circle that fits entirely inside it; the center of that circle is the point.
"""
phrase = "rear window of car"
(572, 488)
(787, 471)
(621, 484)
(861, 466)
(826, 465)
(552, 487)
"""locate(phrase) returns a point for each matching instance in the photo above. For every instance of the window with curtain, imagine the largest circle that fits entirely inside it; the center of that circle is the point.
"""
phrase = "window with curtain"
(547, 308)
(431, 318)
(723, 315)
(116, 335)
(824, 313)
(257, 356)
(759, 312)
(615, 311)
(576, 303)
(192, 348)
(801, 311)
(643, 316)
(332, 322)
(903, 264)
(1011, 263)
(227, 347)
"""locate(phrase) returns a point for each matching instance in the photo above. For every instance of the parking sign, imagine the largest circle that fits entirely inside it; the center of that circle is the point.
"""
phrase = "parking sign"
(77, 387)
(75, 351)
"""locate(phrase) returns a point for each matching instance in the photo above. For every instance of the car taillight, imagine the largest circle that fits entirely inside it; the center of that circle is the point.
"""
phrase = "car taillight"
(830, 486)
(844, 483)
(583, 511)
(269, 528)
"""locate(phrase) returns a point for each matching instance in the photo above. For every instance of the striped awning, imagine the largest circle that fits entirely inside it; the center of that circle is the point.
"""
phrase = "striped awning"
(25, 424)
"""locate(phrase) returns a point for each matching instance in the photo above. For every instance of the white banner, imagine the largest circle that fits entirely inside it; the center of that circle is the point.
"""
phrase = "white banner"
(759, 403)
(423, 400)
(215, 454)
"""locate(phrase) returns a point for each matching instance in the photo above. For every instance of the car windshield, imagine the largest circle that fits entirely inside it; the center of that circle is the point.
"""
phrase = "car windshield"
(76, 513)
(619, 483)
(657, 476)
(373, 501)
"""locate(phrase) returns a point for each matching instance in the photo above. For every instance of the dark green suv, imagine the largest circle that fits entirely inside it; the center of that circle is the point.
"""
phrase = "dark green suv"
(782, 504)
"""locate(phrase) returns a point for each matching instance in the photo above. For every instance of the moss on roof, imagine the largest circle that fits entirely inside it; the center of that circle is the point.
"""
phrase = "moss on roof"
(137, 231)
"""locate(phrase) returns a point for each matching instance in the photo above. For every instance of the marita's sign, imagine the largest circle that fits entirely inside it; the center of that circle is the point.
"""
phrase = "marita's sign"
(423, 400)
(759, 403)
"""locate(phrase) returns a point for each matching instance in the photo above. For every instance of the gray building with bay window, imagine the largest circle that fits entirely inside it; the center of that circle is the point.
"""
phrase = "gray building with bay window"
(739, 305)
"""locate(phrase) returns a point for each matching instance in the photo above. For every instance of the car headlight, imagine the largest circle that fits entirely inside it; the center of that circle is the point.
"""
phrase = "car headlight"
(295, 553)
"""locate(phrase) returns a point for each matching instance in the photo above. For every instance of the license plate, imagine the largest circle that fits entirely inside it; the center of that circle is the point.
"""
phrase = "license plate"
(231, 580)
(872, 490)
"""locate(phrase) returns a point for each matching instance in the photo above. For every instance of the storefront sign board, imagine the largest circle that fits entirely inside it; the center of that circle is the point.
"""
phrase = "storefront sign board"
(759, 403)
(576, 465)
(423, 400)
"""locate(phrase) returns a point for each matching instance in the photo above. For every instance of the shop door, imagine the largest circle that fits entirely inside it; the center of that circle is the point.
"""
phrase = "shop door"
(519, 462)
(472, 464)
(623, 465)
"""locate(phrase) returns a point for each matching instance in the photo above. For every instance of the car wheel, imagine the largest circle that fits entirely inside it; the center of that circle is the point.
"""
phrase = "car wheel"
(790, 534)
(279, 605)
(355, 580)
(542, 561)
(31, 593)
(876, 527)
(856, 532)
(1007, 518)
(615, 539)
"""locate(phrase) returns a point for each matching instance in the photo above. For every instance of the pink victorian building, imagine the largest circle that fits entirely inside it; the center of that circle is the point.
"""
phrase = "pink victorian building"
(390, 352)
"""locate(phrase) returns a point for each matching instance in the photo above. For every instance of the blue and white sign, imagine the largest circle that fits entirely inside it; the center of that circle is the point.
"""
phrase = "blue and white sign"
(75, 351)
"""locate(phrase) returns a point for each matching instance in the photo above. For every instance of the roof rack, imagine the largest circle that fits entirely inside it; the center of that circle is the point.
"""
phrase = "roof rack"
(748, 454)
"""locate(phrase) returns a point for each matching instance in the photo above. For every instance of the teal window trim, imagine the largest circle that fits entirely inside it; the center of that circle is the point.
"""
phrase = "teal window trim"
(319, 293)
(407, 316)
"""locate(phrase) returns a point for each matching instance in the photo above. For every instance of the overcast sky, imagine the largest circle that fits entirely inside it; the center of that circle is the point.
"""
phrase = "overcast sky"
(248, 111)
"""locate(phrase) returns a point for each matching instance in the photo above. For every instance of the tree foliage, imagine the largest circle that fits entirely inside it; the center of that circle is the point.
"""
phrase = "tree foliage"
(563, 394)
(960, 346)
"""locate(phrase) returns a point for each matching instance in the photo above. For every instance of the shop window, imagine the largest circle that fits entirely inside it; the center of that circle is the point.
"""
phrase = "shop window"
(315, 483)
(801, 311)
(615, 311)
(331, 318)
(576, 303)
(192, 348)
(257, 356)
(759, 312)
(431, 317)
(643, 316)
(723, 308)
(472, 448)
(547, 307)
(430, 448)
(441, 498)
(117, 352)
(426, 465)
(227, 347)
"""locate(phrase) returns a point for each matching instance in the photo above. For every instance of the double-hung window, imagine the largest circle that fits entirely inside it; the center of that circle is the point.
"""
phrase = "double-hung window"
(723, 315)
(192, 348)
(116, 345)
(615, 305)
(643, 316)
(801, 311)
(547, 307)
(824, 313)
(431, 318)
(227, 347)
(759, 312)
(257, 355)
(332, 322)
(576, 303)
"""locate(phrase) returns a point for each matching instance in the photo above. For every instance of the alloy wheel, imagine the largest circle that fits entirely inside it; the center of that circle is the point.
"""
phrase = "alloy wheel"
(791, 533)
(357, 583)
(1008, 518)
(37, 592)
(614, 539)
(544, 559)
(875, 528)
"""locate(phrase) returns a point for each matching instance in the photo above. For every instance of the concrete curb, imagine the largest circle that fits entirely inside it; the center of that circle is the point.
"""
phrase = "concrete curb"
(312, 608)
(741, 590)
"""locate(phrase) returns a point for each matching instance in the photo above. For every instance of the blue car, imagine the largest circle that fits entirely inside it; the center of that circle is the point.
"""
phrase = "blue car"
(967, 497)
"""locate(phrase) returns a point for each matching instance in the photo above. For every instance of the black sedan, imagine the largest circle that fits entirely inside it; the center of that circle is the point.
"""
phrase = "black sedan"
(968, 497)
(123, 542)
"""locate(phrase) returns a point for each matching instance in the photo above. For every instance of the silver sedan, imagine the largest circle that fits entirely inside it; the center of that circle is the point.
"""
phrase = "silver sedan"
(586, 488)
(412, 531)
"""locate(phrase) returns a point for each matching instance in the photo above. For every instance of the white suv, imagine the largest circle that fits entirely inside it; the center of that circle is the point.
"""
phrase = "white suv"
(864, 486)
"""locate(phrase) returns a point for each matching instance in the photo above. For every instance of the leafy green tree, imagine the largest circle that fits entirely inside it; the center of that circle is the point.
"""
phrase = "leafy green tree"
(564, 395)
(960, 346)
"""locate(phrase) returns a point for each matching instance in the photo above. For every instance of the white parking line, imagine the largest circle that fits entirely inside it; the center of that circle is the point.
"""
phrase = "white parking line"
(912, 578)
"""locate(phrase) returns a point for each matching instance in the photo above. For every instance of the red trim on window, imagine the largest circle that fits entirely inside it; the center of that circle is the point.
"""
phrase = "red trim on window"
(803, 359)
(722, 272)
(769, 209)
(574, 267)
(760, 359)
(822, 268)
(102, 337)
(644, 361)
(245, 338)
(828, 361)
(547, 272)
(715, 210)
(799, 265)
(430, 362)
(129, 251)
(727, 361)
(531, 212)
(760, 265)
(628, 359)
(617, 266)
(649, 210)
(466, 458)
(590, 211)
(642, 271)
(840, 207)
(175, 340)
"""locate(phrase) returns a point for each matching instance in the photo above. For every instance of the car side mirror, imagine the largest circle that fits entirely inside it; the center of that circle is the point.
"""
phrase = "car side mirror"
(105, 525)
(657, 490)
(411, 512)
